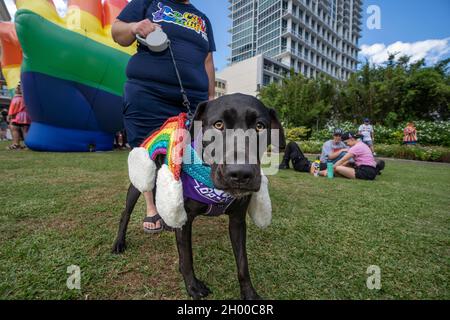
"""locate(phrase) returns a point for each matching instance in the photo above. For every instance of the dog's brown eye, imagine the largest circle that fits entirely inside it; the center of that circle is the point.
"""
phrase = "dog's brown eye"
(260, 127)
(219, 125)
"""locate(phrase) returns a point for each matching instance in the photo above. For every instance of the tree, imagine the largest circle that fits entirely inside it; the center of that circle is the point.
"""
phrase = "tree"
(300, 101)
(396, 91)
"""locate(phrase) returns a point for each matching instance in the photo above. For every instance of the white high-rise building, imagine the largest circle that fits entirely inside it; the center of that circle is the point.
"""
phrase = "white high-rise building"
(309, 36)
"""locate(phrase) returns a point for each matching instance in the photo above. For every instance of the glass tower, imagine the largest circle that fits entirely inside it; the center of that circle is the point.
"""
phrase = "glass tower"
(309, 36)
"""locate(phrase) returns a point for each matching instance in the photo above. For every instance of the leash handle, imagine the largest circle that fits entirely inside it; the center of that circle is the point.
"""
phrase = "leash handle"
(186, 102)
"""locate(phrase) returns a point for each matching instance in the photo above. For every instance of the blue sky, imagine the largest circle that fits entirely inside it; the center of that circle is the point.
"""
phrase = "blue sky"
(409, 21)
(420, 28)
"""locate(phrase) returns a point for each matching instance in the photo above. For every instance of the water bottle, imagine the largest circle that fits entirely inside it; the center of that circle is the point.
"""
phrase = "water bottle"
(330, 170)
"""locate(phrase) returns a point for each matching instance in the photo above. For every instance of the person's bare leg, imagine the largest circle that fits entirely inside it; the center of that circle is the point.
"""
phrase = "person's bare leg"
(151, 211)
(15, 133)
(24, 133)
(346, 172)
(25, 130)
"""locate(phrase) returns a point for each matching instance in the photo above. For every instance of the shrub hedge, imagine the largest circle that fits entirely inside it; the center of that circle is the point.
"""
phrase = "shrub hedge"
(422, 153)
(428, 133)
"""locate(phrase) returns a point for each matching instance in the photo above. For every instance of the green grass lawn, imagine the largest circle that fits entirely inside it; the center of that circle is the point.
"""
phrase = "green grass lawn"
(59, 210)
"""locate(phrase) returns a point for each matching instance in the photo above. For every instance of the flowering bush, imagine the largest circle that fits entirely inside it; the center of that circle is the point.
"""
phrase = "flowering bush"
(388, 141)
(428, 133)
(435, 154)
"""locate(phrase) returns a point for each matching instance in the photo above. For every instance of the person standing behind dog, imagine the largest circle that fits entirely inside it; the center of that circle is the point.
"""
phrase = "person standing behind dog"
(367, 132)
(152, 93)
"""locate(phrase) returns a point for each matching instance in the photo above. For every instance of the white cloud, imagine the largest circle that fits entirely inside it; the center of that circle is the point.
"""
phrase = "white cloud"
(11, 6)
(61, 7)
(430, 50)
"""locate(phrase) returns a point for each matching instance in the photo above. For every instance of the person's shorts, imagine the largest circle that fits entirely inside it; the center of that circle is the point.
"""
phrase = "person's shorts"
(19, 125)
(3, 126)
(368, 142)
(410, 143)
(366, 173)
(147, 107)
(22, 118)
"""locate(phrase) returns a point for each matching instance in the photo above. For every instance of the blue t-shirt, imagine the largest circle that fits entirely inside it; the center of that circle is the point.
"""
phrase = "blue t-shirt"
(191, 35)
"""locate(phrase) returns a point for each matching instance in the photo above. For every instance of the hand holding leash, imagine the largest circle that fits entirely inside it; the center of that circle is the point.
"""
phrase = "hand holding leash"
(144, 28)
(157, 41)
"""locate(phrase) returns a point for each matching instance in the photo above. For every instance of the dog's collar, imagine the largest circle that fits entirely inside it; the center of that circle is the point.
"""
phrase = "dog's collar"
(198, 186)
(217, 200)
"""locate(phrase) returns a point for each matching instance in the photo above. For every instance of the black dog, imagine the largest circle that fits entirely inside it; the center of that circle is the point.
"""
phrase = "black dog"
(236, 111)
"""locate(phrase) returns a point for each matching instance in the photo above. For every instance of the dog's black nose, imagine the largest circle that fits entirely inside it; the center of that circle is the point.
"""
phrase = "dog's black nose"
(239, 174)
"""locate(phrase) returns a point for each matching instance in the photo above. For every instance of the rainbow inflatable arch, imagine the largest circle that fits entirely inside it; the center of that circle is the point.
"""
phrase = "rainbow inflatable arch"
(11, 55)
(72, 74)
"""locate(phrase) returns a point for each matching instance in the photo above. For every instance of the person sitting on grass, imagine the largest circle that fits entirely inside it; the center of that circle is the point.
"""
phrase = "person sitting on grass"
(366, 166)
(299, 161)
(332, 150)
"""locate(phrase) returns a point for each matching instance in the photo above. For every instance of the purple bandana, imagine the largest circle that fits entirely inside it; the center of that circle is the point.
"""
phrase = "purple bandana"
(217, 200)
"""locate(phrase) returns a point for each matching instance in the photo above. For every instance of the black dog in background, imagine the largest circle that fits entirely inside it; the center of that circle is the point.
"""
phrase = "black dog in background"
(235, 111)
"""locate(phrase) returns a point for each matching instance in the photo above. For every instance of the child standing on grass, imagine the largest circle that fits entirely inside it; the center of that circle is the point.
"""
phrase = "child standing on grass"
(367, 133)
(19, 120)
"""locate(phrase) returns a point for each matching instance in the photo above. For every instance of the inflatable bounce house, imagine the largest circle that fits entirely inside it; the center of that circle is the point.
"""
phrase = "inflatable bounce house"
(72, 74)
(11, 55)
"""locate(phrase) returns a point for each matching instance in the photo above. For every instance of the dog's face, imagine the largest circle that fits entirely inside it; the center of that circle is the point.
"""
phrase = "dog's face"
(241, 127)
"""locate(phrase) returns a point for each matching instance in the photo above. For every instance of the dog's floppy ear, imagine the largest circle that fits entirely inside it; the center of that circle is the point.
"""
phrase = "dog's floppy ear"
(275, 124)
(198, 115)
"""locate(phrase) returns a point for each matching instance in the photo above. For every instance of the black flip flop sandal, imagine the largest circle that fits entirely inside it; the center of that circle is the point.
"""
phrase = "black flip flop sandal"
(154, 220)
(13, 147)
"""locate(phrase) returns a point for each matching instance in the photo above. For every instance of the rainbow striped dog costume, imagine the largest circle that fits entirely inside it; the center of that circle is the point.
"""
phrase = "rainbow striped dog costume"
(183, 175)
(167, 141)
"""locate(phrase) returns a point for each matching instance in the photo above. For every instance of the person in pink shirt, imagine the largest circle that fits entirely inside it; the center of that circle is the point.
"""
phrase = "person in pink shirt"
(19, 119)
(365, 164)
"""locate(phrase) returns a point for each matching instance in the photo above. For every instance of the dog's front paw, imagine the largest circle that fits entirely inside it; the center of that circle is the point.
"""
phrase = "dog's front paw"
(198, 290)
(119, 247)
(250, 295)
